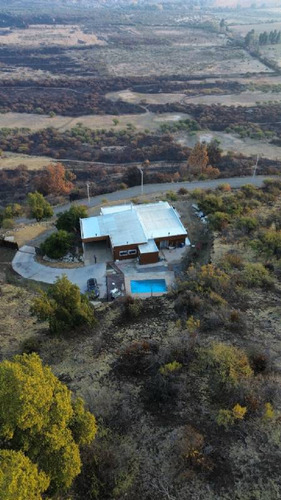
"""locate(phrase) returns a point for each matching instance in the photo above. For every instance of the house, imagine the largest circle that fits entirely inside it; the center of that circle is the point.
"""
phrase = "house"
(136, 231)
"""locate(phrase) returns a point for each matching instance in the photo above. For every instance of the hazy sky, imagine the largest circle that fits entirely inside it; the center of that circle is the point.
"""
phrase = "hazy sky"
(245, 3)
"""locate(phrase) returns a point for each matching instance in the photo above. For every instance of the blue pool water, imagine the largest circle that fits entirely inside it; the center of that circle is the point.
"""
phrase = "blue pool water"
(148, 286)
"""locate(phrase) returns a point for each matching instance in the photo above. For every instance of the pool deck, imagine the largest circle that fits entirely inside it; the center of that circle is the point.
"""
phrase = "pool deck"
(134, 271)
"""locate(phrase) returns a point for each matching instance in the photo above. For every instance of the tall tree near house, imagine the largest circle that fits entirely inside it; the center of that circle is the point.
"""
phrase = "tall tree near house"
(39, 208)
(20, 478)
(198, 159)
(55, 179)
(63, 307)
(70, 220)
(39, 416)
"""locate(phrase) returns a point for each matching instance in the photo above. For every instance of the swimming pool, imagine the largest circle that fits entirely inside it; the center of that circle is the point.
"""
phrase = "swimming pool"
(148, 286)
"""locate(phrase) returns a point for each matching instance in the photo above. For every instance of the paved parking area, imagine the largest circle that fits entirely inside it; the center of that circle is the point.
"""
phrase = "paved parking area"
(96, 252)
(24, 263)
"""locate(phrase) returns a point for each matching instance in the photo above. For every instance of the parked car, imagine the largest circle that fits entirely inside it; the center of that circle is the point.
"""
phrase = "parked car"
(93, 288)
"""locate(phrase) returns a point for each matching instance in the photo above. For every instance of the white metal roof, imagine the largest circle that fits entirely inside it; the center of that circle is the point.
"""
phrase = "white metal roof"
(134, 224)
(123, 228)
(160, 220)
(149, 247)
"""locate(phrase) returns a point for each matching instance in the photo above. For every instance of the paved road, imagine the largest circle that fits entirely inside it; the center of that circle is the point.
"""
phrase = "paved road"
(133, 192)
(25, 265)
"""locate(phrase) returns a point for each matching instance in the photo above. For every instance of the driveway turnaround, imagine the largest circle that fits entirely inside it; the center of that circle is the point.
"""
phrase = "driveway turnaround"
(24, 263)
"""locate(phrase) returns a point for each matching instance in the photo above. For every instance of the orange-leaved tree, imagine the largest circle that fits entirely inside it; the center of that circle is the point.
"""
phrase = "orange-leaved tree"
(198, 158)
(55, 179)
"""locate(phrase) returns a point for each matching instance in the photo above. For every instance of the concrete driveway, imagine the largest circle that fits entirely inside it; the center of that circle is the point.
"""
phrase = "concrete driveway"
(24, 264)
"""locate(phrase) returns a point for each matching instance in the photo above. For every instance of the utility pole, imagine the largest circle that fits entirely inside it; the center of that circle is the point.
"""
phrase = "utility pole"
(141, 171)
(88, 192)
(255, 167)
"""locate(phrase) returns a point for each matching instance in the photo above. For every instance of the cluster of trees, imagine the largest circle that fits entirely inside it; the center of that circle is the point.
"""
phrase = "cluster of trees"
(63, 240)
(265, 38)
(7, 215)
(82, 143)
(270, 38)
(250, 130)
(187, 125)
(237, 212)
(42, 428)
(53, 180)
(216, 117)
(198, 163)
(75, 97)
(62, 101)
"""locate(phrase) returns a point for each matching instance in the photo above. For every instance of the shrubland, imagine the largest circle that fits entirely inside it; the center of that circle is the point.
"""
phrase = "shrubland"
(184, 387)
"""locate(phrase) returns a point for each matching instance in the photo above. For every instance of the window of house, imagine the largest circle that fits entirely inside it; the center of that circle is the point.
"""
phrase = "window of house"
(123, 252)
(132, 252)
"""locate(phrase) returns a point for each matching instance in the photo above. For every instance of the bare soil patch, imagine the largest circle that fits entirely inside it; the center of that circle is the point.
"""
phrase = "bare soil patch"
(25, 235)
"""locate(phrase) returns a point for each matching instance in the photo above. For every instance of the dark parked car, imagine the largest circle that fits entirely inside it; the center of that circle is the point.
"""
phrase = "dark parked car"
(92, 287)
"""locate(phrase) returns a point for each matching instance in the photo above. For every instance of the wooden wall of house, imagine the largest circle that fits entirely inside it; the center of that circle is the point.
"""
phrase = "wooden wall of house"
(149, 258)
(125, 248)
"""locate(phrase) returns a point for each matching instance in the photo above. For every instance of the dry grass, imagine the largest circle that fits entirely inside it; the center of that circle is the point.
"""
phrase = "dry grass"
(37, 122)
(23, 235)
(13, 160)
(16, 323)
(46, 35)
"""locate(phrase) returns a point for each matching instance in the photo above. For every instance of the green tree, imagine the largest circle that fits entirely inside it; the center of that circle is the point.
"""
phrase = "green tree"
(219, 220)
(250, 39)
(39, 208)
(63, 306)
(19, 477)
(226, 365)
(57, 244)
(12, 210)
(256, 275)
(70, 220)
(247, 224)
(211, 203)
(37, 415)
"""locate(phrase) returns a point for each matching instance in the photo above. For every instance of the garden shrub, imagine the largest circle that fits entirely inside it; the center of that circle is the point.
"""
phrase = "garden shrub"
(57, 244)
(256, 275)
(226, 365)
